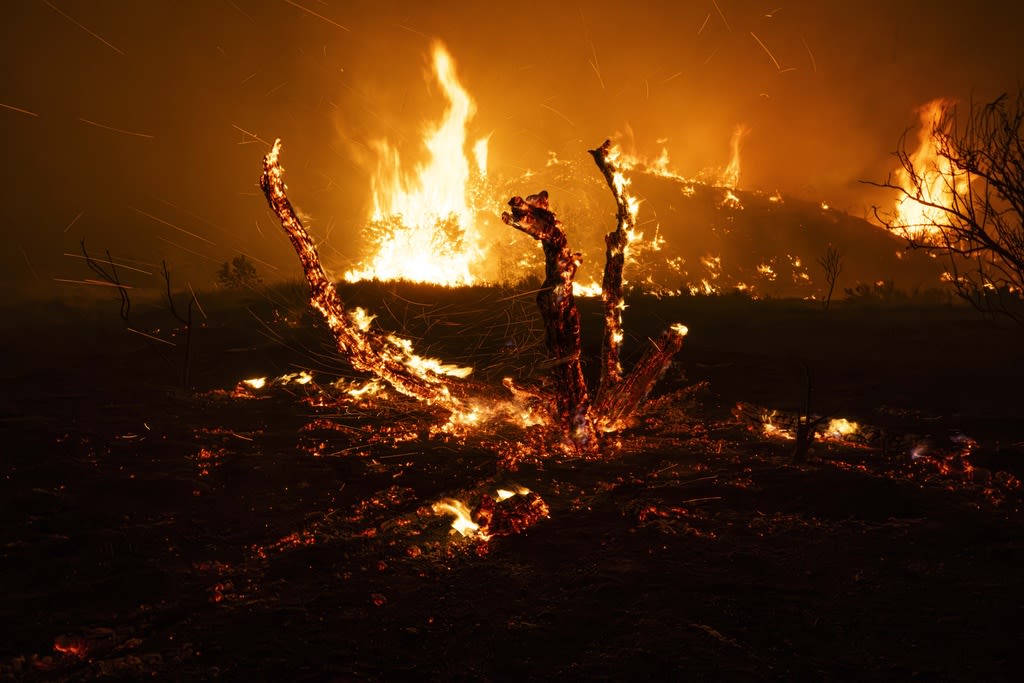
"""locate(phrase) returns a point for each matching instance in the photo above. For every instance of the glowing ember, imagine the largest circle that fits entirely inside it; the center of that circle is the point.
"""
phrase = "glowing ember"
(256, 382)
(921, 210)
(71, 647)
(425, 220)
(773, 430)
(841, 428)
(507, 512)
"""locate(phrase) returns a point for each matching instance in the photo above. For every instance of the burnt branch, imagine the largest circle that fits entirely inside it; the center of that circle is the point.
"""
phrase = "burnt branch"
(617, 407)
(185, 321)
(558, 310)
(366, 348)
(110, 276)
(832, 263)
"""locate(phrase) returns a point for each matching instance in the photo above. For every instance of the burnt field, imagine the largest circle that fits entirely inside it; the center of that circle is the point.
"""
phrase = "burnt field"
(287, 532)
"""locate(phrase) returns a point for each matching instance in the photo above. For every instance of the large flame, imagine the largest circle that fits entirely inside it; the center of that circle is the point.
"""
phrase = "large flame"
(425, 220)
(920, 212)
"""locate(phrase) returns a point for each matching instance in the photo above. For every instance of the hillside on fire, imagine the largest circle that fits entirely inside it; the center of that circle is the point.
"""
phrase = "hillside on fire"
(703, 238)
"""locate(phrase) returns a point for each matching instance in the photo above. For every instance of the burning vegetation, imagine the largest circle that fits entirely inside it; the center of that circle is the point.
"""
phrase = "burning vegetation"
(392, 358)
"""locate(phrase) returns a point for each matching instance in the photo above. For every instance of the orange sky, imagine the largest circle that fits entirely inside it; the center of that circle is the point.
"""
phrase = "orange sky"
(122, 121)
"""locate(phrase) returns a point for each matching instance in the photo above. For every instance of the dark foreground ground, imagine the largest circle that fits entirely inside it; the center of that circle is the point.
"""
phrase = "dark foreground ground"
(287, 534)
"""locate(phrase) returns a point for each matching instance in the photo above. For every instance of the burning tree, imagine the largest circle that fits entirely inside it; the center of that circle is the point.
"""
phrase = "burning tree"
(581, 419)
(961, 198)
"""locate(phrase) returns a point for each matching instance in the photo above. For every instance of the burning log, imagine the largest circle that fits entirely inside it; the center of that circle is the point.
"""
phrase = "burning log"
(369, 350)
(558, 309)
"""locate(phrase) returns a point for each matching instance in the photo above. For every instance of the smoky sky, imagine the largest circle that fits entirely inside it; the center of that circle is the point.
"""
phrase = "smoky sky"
(140, 126)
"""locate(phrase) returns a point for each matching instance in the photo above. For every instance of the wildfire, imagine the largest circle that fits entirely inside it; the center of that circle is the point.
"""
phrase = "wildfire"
(425, 220)
(920, 212)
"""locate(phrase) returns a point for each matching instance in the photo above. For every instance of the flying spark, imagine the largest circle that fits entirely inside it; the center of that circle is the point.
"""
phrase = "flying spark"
(91, 33)
(172, 225)
(254, 136)
(239, 10)
(196, 299)
(722, 14)
(149, 336)
(74, 221)
(28, 262)
(99, 283)
(814, 62)
(19, 110)
(704, 25)
(116, 130)
(319, 16)
(766, 51)
(191, 251)
(410, 29)
(552, 109)
(595, 65)
(275, 89)
(109, 263)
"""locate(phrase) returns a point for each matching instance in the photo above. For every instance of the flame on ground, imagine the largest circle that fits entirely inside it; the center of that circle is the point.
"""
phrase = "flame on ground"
(509, 511)
(426, 220)
(841, 428)
(463, 522)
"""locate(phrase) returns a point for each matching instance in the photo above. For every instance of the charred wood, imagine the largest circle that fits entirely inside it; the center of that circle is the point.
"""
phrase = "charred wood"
(561, 317)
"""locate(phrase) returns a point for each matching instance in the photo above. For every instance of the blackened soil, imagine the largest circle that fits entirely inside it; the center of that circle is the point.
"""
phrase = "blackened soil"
(149, 532)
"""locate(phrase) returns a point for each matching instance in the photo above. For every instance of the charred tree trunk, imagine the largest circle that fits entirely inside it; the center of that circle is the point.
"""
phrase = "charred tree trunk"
(611, 284)
(561, 317)
(365, 348)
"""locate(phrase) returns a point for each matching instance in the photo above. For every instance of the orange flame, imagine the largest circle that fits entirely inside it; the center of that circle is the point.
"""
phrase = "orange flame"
(427, 219)
(920, 212)
(731, 176)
